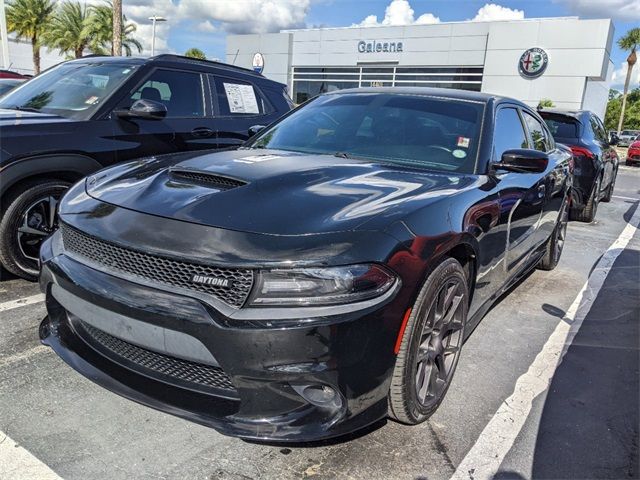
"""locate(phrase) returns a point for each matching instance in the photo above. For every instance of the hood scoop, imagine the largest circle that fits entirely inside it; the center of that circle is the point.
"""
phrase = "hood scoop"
(205, 179)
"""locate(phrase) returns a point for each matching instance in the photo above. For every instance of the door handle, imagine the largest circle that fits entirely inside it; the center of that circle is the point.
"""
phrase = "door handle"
(202, 132)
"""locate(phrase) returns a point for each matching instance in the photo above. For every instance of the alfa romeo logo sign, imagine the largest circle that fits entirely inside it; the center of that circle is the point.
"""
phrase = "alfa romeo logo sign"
(258, 63)
(533, 62)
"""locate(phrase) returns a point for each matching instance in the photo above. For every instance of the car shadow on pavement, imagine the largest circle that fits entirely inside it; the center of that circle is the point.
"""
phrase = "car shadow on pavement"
(6, 276)
(589, 424)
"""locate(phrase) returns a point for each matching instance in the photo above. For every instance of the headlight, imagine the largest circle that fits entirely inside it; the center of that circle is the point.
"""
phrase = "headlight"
(320, 286)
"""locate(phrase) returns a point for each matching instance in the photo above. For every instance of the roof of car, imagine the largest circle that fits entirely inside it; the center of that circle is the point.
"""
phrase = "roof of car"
(167, 58)
(439, 92)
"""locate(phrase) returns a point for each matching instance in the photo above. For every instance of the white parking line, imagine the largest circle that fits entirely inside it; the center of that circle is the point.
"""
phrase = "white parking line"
(17, 463)
(626, 198)
(19, 357)
(485, 457)
(21, 302)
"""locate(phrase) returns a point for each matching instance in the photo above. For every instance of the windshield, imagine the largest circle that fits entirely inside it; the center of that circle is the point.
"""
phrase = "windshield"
(423, 131)
(72, 90)
(562, 127)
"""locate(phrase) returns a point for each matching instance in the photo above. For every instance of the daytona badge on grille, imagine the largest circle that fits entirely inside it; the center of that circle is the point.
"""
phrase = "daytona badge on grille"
(213, 281)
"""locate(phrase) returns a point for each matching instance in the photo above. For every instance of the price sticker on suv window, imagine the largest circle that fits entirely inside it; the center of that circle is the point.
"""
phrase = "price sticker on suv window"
(463, 142)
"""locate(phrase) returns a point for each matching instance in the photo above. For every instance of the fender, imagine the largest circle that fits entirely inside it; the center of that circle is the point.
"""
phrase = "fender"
(82, 165)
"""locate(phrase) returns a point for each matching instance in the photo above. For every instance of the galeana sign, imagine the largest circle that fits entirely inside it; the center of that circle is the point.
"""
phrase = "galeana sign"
(373, 46)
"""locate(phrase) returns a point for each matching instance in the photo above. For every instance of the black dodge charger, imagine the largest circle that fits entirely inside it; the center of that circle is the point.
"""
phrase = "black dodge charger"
(316, 280)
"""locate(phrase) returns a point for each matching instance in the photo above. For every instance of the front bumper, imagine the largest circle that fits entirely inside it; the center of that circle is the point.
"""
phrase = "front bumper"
(260, 367)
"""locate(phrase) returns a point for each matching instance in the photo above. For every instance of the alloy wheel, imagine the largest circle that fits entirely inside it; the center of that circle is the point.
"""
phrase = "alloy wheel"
(561, 232)
(440, 343)
(38, 222)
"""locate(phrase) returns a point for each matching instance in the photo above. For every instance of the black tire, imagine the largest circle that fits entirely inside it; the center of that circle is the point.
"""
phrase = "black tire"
(555, 244)
(19, 256)
(445, 289)
(588, 212)
(612, 185)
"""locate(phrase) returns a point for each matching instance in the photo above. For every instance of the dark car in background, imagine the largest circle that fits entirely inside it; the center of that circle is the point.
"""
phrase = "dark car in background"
(85, 114)
(8, 84)
(317, 279)
(596, 161)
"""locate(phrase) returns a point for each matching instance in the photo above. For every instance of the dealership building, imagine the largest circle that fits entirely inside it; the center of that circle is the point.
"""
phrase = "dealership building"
(566, 60)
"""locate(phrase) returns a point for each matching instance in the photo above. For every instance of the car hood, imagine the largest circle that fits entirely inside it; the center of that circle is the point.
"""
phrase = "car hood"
(270, 191)
(18, 117)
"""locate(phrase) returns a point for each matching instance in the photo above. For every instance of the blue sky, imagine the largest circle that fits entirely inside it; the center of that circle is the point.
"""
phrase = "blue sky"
(205, 23)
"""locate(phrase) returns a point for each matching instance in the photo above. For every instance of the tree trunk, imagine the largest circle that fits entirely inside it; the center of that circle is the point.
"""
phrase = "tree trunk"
(79, 51)
(117, 28)
(36, 55)
(631, 61)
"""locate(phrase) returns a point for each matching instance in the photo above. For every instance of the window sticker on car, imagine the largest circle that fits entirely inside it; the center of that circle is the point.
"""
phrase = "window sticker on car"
(241, 98)
(463, 142)
(459, 153)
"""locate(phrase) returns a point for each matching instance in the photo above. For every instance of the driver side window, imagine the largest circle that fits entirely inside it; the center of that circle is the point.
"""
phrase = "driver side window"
(180, 92)
(509, 133)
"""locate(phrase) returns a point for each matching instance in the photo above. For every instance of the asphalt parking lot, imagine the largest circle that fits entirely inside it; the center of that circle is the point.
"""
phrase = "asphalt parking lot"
(510, 412)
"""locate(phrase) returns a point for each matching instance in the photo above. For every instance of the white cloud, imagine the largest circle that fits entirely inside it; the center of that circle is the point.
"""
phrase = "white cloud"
(144, 33)
(620, 75)
(491, 12)
(206, 27)
(427, 18)
(398, 12)
(247, 16)
(627, 10)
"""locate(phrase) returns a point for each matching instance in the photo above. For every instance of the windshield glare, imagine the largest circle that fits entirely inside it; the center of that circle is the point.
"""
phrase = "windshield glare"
(72, 90)
(417, 130)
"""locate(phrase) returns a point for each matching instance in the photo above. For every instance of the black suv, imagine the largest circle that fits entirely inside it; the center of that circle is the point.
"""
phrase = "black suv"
(85, 114)
(596, 161)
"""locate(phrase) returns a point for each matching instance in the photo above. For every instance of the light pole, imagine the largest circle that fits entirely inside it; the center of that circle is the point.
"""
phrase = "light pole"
(155, 19)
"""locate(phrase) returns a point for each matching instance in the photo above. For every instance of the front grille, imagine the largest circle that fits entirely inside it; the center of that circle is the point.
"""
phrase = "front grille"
(159, 269)
(164, 367)
(209, 179)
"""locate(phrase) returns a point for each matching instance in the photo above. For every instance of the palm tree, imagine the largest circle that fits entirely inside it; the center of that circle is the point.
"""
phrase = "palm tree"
(195, 53)
(68, 31)
(117, 27)
(29, 19)
(631, 41)
(100, 31)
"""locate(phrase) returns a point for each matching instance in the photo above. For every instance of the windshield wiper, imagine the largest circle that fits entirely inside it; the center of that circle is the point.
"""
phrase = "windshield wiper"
(342, 155)
(24, 109)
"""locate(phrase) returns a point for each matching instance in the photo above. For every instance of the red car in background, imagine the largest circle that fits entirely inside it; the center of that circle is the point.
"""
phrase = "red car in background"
(633, 154)
(10, 74)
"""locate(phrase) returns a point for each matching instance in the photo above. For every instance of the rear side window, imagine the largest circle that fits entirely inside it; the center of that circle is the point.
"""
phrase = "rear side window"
(509, 133)
(537, 132)
(238, 98)
(599, 132)
(180, 92)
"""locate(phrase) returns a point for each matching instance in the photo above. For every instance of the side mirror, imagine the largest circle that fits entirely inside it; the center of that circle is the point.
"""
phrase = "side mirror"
(255, 129)
(614, 140)
(523, 161)
(146, 109)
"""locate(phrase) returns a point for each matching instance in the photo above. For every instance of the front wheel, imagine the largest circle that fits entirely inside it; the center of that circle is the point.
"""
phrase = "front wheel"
(430, 346)
(29, 217)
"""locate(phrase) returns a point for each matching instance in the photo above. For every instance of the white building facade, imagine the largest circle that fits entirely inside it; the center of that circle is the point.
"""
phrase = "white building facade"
(566, 60)
(20, 57)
